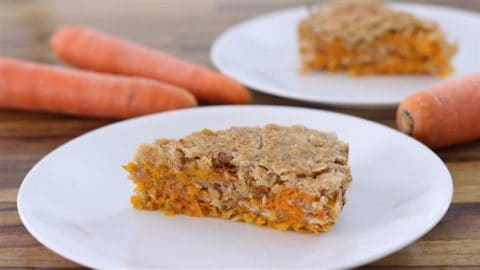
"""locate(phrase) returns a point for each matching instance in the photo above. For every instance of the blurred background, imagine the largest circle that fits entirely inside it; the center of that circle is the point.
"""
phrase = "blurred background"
(184, 28)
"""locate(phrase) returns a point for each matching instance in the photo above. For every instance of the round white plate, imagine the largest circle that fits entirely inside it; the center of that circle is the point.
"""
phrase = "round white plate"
(262, 53)
(75, 201)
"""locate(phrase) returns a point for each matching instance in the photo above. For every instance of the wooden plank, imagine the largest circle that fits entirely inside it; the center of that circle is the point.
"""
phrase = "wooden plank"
(16, 236)
(9, 218)
(34, 257)
(461, 222)
(8, 195)
(438, 253)
(466, 180)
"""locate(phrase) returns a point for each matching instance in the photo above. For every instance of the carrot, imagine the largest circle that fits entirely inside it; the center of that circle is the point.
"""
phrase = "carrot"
(443, 115)
(89, 49)
(41, 87)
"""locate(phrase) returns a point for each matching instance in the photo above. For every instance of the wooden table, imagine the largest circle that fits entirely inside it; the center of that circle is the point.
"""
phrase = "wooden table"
(187, 28)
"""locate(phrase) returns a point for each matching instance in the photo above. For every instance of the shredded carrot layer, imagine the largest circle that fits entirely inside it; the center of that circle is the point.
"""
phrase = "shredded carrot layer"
(413, 54)
(159, 188)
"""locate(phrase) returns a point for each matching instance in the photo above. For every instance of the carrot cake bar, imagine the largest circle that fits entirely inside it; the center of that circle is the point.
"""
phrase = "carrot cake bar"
(365, 37)
(287, 178)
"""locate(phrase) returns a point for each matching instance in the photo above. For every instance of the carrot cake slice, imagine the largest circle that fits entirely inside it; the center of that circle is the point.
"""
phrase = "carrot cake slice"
(287, 178)
(366, 37)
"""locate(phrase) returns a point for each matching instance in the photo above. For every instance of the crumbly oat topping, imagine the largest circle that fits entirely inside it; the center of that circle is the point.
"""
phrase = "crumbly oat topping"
(298, 157)
(357, 21)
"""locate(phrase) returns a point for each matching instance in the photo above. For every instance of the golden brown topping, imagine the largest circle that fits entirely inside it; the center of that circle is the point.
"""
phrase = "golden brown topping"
(356, 21)
(311, 160)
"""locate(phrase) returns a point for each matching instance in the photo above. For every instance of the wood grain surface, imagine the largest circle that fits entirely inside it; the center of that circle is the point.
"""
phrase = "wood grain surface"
(187, 28)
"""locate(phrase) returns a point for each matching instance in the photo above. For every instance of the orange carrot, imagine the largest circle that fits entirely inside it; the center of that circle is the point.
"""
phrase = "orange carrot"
(443, 115)
(89, 49)
(32, 86)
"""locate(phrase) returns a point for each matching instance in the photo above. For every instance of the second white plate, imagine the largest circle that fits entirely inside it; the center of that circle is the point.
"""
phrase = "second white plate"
(262, 53)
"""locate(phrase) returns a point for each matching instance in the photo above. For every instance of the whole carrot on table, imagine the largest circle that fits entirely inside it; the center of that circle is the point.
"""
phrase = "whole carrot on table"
(31, 86)
(89, 49)
(443, 115)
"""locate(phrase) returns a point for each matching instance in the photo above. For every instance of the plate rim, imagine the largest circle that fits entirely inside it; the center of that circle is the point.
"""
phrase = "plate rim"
(275, 91)
(21, 207)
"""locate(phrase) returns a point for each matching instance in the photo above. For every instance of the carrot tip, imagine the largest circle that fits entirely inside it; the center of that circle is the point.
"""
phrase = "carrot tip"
(405, 122)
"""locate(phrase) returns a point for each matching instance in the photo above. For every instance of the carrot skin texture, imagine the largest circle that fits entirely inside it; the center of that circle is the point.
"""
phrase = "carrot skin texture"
(443, 115)
(89, 49)
(40, 87)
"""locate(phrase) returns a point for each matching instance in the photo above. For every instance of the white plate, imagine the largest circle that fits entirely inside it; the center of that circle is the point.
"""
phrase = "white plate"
(262, 53)
(75, 201)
